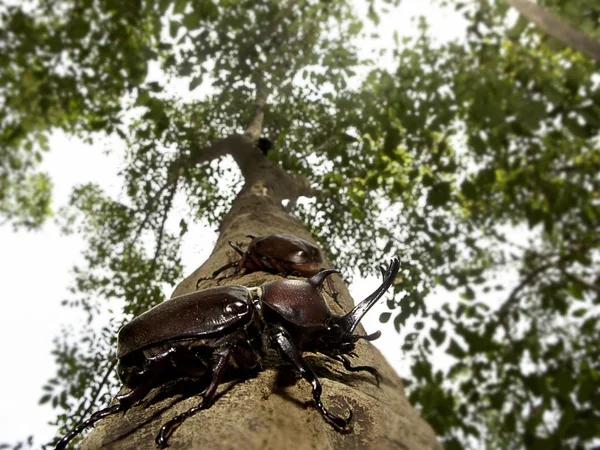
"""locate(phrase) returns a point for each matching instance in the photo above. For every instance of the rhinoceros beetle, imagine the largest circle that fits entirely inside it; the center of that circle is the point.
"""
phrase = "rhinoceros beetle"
(198, 334)
(282, 254)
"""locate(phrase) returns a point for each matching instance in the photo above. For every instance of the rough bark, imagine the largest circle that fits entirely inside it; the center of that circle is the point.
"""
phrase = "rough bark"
(557, 29)
(272, 409)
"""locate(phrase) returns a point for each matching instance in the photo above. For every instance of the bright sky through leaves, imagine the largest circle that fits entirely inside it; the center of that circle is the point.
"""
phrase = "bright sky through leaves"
(50, 256)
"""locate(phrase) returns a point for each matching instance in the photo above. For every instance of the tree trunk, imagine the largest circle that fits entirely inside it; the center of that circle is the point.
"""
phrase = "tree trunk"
(274, 409)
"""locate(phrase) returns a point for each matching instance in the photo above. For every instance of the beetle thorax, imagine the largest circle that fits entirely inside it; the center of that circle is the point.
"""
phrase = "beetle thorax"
(297, 302)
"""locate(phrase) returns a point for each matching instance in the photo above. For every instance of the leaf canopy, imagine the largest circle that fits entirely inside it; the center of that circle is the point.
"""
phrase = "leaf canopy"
(471, 160)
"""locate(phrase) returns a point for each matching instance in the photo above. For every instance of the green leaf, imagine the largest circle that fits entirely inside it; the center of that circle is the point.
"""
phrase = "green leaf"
(392, 140)
(143, 98)
(179, 7)
(174, 28)
(438, 336)
(477, 144)
(191, 21)
(576, 290)
(455, 350)
(372, 15)
(195, 82)
(468, 190)
(78, 29)
(439, 194)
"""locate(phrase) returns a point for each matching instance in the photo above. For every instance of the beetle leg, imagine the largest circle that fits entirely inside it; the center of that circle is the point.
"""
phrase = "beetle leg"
(125, 402)
(242, 262)
(98, 415)
(143, 385)
(227, 276)
(217, 272)
(201, 280)
(207, 398)
(259, 262)
(294, 356)
(276, 266)
(346, 362)
(225, 267)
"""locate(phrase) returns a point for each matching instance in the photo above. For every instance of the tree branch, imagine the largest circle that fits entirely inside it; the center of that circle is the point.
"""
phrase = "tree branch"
(556, 28)
(268, 31)
(161, 231)
(557, 263)
(225, 146)
(522, 285)
(254, 128)
(576, 279)
(109, 368)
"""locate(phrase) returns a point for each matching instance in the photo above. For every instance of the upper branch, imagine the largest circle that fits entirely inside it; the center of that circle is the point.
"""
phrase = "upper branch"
(254, 127)
(557, 28)
(268, 31)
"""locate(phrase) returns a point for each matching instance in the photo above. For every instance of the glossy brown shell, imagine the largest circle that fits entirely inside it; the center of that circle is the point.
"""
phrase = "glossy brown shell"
(297, 301)
(285, 247)
(201, 314)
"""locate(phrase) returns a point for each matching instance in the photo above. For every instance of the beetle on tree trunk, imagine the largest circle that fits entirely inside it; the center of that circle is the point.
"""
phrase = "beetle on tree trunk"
(281, 254)
(199, 333)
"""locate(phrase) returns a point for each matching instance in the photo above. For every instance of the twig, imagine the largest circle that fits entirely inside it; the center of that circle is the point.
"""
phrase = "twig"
(159, 240)
(578, 280)
(108, 371)
(162, 225)
(268, 31)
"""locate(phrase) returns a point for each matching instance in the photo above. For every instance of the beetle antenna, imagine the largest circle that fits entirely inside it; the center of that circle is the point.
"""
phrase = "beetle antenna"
(350, 321)
(318, 279)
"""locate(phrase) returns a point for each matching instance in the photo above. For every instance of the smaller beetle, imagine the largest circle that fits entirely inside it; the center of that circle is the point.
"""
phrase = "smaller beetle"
(197, 335)
(281, 254)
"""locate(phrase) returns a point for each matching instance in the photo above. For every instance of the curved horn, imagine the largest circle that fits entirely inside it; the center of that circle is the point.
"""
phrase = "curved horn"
(351, 320)
(370, 337)
(320, 277)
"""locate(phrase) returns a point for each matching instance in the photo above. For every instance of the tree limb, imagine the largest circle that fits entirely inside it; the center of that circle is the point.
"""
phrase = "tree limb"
(576, 279)
(556, 28)
(254, 127)
(268, 31)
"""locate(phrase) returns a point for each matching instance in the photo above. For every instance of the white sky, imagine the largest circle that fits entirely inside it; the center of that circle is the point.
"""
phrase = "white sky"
(36, 266)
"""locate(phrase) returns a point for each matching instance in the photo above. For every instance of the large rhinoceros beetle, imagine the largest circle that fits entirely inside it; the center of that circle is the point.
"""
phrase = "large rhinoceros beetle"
(198, 334)
(282, 254)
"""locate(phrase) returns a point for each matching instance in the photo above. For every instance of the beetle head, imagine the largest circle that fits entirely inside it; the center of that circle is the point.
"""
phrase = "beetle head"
(340, 336)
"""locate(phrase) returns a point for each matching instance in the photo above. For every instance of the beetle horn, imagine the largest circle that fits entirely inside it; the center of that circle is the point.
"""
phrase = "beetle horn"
(236, 247)
(320, 277)
(370, 337)
(351, 320)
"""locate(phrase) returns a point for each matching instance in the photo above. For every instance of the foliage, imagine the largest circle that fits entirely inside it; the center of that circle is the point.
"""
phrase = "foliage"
(528, 122)
(442, 160)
